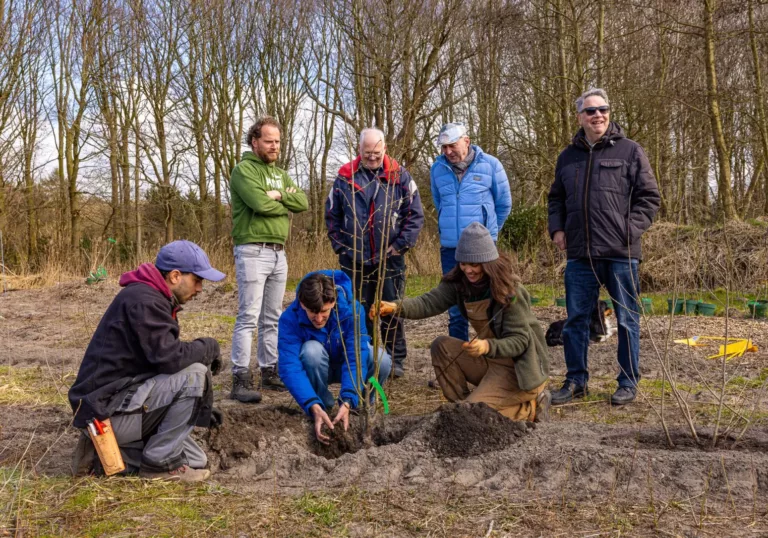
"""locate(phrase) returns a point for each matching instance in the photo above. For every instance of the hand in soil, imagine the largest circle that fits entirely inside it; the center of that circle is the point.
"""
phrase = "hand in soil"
(321, 418)
(343, 417)
(476, 348)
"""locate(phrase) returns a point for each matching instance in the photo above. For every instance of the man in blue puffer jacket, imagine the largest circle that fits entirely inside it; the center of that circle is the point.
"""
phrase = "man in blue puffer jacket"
(317, 347)
(468, 186)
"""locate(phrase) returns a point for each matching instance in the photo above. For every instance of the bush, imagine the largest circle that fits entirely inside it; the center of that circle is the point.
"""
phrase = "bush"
(524, 230)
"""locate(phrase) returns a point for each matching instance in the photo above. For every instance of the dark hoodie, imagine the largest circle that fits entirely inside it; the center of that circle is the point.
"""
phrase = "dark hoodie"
(137, 338)
(604, 197)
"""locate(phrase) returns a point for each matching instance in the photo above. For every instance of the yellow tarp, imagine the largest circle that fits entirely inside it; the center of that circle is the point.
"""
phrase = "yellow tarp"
(736, 348)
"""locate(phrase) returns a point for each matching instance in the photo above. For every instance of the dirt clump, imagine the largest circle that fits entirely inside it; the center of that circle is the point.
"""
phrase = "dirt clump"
(248, 429)
(465, 430)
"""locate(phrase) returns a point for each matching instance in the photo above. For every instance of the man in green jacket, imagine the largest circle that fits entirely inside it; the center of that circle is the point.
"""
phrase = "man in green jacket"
(262, 197)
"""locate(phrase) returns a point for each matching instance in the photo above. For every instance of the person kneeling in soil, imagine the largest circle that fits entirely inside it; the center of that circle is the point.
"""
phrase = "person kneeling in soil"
(137, 372)
(508, 361)
(316, 347)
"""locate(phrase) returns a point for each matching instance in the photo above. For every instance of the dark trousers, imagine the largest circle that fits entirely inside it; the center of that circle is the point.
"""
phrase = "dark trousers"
(582, 289)
(365, 282)
(458, 326)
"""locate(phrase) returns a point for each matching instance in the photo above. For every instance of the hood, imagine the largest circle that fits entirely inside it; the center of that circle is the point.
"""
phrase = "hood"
(339, 278)
(147, 274)
(390, 172)
(251, 156)
(614, 132)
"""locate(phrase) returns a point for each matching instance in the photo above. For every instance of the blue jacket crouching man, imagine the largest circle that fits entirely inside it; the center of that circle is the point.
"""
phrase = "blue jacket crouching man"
(317, 347)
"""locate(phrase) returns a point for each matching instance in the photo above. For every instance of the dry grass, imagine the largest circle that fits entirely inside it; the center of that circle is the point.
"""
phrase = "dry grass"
(133, 507)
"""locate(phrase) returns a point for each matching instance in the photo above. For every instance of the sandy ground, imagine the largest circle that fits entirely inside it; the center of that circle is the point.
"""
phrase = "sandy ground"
(588, 451)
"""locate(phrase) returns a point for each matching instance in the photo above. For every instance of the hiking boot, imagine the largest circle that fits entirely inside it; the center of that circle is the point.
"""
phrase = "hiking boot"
(185, 473)
(242, 388)
(623, 395)
(83, 458)
(270, 379)
(568, 392)
(543, 402)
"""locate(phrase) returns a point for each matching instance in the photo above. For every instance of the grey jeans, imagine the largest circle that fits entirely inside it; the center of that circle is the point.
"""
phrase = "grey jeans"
(261, 276)
(152, 426)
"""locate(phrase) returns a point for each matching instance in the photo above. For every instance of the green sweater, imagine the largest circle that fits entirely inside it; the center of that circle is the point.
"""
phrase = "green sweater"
(518, 333)
(257, 218)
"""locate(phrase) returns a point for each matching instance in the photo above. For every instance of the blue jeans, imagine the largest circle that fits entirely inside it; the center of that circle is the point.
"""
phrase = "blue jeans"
(582, 290)
(458, 327)
(317, 363)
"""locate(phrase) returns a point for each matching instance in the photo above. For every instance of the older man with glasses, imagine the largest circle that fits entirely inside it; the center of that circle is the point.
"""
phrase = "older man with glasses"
(603, 199)
(374, 216)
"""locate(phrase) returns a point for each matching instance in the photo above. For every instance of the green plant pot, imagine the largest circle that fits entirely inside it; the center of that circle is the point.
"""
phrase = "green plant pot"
(535, 300)
(706, 309)
(678, 306)
(560, 301)
(690, 306)
(757, 309)
(647, 305)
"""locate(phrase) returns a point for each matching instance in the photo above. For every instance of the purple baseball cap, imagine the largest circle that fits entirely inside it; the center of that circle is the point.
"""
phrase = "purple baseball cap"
(187, 257)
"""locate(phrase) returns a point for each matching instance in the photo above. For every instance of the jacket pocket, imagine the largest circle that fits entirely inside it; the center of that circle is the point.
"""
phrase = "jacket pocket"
(611, 176)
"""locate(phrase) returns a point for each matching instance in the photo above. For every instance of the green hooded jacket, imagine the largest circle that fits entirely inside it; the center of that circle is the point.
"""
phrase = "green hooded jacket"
(257, 218)
(518, 333)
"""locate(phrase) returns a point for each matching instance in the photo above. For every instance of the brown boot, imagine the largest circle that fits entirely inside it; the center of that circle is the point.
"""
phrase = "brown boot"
(84, 456)
(185, 473)
(543, 402)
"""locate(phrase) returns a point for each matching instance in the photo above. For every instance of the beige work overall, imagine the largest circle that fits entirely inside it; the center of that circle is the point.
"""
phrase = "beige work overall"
(495, 379)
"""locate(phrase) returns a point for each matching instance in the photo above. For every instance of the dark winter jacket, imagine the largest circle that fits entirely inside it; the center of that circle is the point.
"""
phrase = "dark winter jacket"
(604, 197)
(136, 339)
(338, 338)
(386, 208)
(517, 333)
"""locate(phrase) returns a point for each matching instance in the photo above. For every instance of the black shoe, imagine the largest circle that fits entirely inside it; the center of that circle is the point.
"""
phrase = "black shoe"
(543, 402)
(242, 388)
(568, 392)
(270, 379)
(623, 395)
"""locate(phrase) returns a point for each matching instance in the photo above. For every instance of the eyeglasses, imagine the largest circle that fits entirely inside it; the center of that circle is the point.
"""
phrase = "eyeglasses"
(372, 154)
(592, 110)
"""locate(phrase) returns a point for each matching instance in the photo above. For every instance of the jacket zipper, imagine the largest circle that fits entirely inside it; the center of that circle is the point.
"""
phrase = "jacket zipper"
(586, 198)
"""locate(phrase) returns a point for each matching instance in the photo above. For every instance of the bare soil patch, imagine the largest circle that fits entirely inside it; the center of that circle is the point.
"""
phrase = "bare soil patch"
(589, 453)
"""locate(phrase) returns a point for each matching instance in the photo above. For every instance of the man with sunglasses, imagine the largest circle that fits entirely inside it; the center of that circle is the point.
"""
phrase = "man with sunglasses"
(603, 199)
(374, 216)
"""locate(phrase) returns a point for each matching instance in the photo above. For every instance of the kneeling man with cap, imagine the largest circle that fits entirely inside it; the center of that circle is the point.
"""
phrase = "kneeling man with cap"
(136, 371)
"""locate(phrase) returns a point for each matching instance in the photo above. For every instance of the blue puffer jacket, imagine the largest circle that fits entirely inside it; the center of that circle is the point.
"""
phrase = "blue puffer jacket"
(483, 196)
(338, 337)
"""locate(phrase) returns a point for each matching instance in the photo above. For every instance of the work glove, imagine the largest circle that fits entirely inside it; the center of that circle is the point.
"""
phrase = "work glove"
(385, 309)
(476, 348)
(211, 354)
(216, 418)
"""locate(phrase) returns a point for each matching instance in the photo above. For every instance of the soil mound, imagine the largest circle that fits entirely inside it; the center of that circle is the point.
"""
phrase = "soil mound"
(464, 430)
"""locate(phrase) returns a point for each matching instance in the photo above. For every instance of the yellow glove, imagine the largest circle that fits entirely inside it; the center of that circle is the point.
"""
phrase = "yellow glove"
(476, 348)
(385, 309)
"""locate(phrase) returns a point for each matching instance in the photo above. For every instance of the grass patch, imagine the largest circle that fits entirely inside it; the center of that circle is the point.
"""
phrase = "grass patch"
(33, 386)
(200, 324)
(740, 382)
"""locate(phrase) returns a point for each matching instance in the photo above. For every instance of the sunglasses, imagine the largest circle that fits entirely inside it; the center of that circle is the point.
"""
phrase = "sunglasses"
(592, 110)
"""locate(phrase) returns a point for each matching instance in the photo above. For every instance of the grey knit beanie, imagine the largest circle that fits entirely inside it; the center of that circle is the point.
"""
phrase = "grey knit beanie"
(475, 245)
